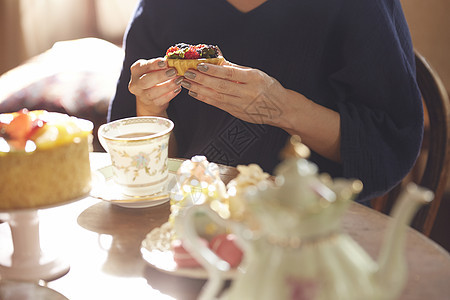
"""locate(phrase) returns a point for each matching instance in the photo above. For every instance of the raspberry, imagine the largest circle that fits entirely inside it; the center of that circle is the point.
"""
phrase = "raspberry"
(172, 49)
(200, 46)
(191, 53)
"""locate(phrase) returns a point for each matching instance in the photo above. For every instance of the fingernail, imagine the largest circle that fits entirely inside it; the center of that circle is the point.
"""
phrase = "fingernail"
(177, 90)
(179, 80)
(185, 84)
(193, 94)
(202, 67)
(171, 72)
(189, 74)
(161, 64)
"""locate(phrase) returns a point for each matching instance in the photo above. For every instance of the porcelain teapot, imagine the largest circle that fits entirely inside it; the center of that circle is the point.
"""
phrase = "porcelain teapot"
(298, 249)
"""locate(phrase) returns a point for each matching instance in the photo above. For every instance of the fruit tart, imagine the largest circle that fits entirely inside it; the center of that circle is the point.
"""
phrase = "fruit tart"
(185, 56)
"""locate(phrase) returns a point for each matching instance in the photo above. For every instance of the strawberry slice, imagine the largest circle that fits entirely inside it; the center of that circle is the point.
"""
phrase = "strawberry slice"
(35, 126)
(20, 126)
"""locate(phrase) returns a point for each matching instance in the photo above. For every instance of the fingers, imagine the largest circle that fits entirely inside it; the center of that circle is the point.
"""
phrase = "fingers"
(146, 74)
(143, 66)
(205, 94)
(228, 71)
(218, 83)
(170, 87)
(153, 84)
(242, 92)
(156, 100)
(204, 84)
(149, 80)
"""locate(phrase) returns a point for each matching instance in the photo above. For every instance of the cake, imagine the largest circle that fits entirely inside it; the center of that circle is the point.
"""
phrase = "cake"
(44, 159)
(184, 56)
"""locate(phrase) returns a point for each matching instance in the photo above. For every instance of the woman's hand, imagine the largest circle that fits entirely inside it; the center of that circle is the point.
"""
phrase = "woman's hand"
(248, 94)
(253, 96)
(154, 85)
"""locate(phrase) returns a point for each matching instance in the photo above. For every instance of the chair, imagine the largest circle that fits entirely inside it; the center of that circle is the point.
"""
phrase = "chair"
(433, 164)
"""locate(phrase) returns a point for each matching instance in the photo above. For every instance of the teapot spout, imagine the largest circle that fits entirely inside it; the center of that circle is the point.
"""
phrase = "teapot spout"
(392, 273)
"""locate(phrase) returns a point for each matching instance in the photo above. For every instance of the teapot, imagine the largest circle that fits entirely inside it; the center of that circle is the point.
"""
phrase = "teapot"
(297, 249)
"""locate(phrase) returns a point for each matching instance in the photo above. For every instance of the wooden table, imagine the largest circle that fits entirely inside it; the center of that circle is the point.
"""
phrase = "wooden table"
(102, 244)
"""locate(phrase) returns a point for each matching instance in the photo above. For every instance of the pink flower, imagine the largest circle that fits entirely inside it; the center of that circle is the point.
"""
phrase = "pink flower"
(140, 160)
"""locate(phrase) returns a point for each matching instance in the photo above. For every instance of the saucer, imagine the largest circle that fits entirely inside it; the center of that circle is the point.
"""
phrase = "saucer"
(104, 188)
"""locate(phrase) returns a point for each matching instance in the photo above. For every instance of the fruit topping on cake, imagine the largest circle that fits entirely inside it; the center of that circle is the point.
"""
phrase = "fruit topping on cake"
(18, 128)
(30, 130)
(185, 56)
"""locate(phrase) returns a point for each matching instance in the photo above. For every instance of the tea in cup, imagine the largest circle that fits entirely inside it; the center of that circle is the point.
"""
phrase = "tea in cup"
(138, 148)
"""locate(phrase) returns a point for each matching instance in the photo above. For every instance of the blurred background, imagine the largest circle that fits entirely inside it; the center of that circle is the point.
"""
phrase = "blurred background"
(29, 27)
(78, 75)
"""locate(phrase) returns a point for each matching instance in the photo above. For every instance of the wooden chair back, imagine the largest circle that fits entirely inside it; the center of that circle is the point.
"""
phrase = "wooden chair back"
(433, 164)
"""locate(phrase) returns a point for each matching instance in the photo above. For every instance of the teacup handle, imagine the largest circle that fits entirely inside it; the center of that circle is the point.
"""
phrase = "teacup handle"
(101, 139)
(214, 265)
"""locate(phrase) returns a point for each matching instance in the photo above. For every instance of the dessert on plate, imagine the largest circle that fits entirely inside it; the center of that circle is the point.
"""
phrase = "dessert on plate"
(44, 159)
(185, 56)
(199, 183)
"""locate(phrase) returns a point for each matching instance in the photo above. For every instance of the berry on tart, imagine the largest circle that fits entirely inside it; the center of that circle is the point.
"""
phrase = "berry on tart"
(185, 56)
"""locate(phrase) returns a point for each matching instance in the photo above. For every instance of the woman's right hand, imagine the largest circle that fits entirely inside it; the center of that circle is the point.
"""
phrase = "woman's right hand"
(154, 85)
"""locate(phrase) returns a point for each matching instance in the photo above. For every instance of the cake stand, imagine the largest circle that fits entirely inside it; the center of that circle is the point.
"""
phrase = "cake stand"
(28, 262)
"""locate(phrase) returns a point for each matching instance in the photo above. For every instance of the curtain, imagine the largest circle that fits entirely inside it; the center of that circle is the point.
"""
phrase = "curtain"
(12, 47)
(30, 27)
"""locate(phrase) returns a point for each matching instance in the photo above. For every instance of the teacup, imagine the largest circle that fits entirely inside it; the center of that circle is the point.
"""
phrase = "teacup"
(138, 147)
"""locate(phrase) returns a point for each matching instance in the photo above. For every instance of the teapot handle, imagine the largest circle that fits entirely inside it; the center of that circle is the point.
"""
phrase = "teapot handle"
(214, 265)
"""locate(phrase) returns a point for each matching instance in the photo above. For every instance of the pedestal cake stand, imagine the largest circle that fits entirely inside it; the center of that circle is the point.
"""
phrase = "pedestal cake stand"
(28, 262)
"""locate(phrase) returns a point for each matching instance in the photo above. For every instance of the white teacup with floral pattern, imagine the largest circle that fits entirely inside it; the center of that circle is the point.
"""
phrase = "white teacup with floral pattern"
(138, 147)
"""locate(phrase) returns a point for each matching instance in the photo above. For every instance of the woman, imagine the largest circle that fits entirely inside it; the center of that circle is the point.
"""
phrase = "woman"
(340, 74)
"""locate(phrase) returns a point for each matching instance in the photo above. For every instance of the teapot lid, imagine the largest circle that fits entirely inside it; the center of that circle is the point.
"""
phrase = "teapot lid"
(299, 186)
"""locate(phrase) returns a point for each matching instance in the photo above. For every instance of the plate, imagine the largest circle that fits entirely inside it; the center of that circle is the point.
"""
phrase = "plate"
(13, 290)
(104, 188)
(164, 262)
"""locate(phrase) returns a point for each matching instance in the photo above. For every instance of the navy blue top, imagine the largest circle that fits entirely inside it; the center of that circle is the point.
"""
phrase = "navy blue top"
(352, 56)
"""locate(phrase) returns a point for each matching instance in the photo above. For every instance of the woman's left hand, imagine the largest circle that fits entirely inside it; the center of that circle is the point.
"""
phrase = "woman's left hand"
(248, 94)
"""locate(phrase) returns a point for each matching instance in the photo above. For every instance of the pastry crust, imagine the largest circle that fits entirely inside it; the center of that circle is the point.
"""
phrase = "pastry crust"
(182, 65)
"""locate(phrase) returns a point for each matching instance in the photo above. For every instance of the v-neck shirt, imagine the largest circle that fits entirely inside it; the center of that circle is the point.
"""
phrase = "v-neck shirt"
(352, 56)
